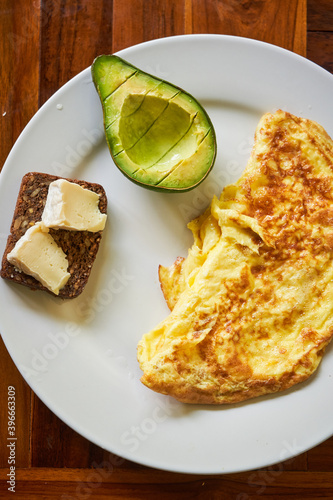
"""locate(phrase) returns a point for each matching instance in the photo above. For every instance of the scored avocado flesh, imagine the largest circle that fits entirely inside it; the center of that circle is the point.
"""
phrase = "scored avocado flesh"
(159, 136)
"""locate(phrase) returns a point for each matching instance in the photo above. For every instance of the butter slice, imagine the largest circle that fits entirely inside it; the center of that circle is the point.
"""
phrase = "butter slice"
(70, 206)
(37, 254)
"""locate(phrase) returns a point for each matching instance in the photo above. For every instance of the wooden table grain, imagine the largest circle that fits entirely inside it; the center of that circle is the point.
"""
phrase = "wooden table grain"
(44, 43)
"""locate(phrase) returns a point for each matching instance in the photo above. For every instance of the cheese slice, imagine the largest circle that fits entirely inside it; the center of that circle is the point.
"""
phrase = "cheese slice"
(70, 206)
(37, 254)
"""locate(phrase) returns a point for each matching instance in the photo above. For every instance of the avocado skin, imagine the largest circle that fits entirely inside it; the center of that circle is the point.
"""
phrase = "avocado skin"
(109, 73)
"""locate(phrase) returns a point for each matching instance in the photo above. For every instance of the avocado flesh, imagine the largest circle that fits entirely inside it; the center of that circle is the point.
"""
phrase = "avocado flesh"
(159, 136)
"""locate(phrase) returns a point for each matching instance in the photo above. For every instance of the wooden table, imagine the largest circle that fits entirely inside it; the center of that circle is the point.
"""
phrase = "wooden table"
(43, 44)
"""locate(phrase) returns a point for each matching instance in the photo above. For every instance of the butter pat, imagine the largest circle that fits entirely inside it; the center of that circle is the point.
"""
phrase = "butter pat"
(70, 206)
(37, 254)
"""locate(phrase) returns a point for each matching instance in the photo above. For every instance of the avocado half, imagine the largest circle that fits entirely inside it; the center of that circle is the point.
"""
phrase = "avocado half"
(159, 136)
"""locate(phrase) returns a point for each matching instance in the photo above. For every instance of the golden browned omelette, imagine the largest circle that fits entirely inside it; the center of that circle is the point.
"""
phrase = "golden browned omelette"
(252, 303)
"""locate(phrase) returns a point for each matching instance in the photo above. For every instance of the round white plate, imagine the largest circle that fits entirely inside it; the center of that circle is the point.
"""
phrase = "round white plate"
(79, 356)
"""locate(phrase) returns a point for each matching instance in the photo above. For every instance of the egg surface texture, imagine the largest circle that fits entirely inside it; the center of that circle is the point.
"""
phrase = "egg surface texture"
(251, 305)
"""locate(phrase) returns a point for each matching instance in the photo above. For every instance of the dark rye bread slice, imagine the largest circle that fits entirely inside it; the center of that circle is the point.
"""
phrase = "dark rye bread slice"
(81, 247)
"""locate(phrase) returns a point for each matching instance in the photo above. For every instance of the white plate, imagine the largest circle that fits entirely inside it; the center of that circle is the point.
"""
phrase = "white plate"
(80, 356)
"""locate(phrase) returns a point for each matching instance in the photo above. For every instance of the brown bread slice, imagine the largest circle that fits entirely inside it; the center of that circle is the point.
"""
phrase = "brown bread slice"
(81, 247)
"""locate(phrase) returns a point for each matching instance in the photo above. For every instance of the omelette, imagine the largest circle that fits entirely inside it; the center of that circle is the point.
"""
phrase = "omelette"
(251, 305)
